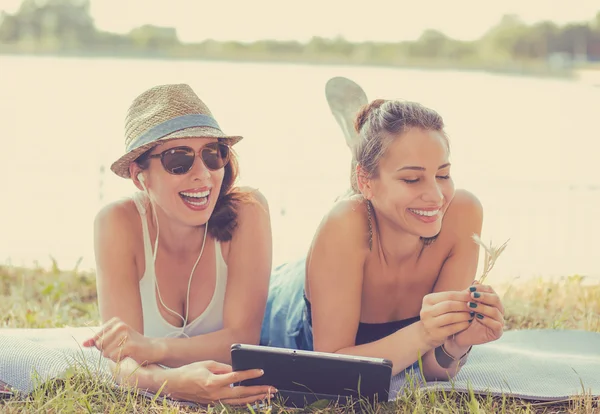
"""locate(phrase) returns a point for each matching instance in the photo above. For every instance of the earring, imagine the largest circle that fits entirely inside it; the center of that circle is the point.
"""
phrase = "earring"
(368, 201)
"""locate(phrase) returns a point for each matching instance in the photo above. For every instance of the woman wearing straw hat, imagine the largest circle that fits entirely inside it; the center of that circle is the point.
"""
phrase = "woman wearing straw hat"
(183, 266)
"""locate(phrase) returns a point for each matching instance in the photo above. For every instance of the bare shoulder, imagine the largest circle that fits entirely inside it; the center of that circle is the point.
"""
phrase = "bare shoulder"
(465, 204)
(347, 223)
(251, 244)
(350, 211)
(339, 250)
(465, 214)
(254, 205)
(253, 217)
(119, 216)
(117, 239)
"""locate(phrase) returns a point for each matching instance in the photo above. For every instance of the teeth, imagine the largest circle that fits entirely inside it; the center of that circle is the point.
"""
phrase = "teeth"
(196, 195)
(198, 203)
(428, 213)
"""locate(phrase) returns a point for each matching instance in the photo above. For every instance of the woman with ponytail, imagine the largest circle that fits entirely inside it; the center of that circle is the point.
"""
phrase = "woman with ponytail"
(390, 272)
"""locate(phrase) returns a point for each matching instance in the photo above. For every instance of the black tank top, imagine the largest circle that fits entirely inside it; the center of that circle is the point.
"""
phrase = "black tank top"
(371, 332)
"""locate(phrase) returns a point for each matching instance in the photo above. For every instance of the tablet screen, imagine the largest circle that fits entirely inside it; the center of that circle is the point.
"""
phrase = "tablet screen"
(315, 372)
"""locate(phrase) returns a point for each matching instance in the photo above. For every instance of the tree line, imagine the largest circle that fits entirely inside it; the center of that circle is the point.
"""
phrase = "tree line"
(66, 26)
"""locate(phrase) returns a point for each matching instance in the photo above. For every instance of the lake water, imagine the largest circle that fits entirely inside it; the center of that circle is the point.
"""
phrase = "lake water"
(527, 147)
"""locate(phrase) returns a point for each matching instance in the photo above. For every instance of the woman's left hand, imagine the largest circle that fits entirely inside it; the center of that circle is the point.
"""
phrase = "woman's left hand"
(488, 317)
(117, 340)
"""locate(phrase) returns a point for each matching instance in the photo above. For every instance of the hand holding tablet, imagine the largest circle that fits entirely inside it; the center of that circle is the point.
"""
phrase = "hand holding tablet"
(303, 377)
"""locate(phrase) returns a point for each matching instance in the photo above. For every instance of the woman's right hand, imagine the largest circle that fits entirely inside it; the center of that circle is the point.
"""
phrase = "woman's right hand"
(444, 314)
(209, 382)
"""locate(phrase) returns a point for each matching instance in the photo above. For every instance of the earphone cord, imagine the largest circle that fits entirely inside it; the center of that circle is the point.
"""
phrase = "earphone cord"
(187, 305)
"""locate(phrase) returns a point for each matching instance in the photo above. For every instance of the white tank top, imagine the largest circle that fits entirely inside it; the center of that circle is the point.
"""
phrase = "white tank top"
(155, 325)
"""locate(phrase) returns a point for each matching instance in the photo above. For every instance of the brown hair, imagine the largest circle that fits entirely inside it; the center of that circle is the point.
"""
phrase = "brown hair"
(223, 220)
(378, 124)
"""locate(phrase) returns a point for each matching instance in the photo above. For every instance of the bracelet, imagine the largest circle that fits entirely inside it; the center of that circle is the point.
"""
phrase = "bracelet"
(445, 360)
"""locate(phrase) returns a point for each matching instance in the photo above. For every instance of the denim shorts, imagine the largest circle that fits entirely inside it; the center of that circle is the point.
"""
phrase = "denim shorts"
(285, 324)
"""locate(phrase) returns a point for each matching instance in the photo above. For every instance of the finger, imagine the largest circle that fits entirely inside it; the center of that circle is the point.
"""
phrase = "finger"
(445, 307)
(88, 342)
(106, 327)
(104, 340)
(218, 367)
(438, 297)
(454, 328)
(247, 400)
(221, 380)
(109, 339)
(92, 341)
(115, 354)
(450, 318)
(228, 393)
(485, 310)
(496, 326)
(490, 299)
(481, 289)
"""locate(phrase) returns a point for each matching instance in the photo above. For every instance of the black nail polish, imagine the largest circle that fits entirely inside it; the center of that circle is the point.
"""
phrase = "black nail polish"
(473, 288)
(472, 304)
(472, 314)
(480, 316)
(476, 295)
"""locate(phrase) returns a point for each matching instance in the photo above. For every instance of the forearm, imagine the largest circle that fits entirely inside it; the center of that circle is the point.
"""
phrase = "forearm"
(403, 347)
(152, 378)
(443, 364)
(215, 346)
(129, 373)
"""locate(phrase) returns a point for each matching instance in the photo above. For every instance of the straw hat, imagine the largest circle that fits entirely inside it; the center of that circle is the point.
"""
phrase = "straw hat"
(163, 113)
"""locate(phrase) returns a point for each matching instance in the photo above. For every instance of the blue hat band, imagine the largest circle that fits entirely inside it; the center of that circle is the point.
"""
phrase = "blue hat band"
(173, 125)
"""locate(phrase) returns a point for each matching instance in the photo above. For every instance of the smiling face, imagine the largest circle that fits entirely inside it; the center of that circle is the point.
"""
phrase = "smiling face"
(187, 198)
(412, 187)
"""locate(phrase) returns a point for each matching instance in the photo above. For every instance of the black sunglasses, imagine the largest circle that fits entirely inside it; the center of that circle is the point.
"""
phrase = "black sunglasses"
(179, 160)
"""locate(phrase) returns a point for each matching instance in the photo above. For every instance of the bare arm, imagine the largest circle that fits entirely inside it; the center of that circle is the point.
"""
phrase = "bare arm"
(335, 277)
(117, 282)
(249, 270)
(464, 218)
(200, 382)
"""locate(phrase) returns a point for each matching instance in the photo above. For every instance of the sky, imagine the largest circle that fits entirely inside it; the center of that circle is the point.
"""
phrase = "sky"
(381, 20)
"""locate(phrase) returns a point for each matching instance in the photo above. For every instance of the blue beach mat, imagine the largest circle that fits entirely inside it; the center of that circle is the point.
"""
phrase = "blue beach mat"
(541, 365)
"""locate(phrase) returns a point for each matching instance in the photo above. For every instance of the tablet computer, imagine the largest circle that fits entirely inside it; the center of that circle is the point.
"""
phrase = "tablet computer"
(304, 377)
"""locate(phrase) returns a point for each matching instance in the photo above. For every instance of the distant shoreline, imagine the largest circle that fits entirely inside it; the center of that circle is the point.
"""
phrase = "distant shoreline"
(515, 69)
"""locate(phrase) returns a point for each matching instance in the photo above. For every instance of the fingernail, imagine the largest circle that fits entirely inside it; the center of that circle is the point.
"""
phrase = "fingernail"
(473, 288)
(472, 314)
(472, 304)
(261, 371)
(480, 316)
(476, 295)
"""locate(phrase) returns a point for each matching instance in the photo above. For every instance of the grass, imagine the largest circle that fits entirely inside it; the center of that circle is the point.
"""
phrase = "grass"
(38, 298)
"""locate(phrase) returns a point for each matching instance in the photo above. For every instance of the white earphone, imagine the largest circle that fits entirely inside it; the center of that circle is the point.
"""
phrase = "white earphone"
(140, 177)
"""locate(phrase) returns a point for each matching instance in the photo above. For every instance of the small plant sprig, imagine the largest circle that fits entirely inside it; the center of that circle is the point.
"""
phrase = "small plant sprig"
(491, 255)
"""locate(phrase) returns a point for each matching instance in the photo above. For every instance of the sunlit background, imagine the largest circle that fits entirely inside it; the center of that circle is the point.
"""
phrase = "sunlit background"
(518, 84)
